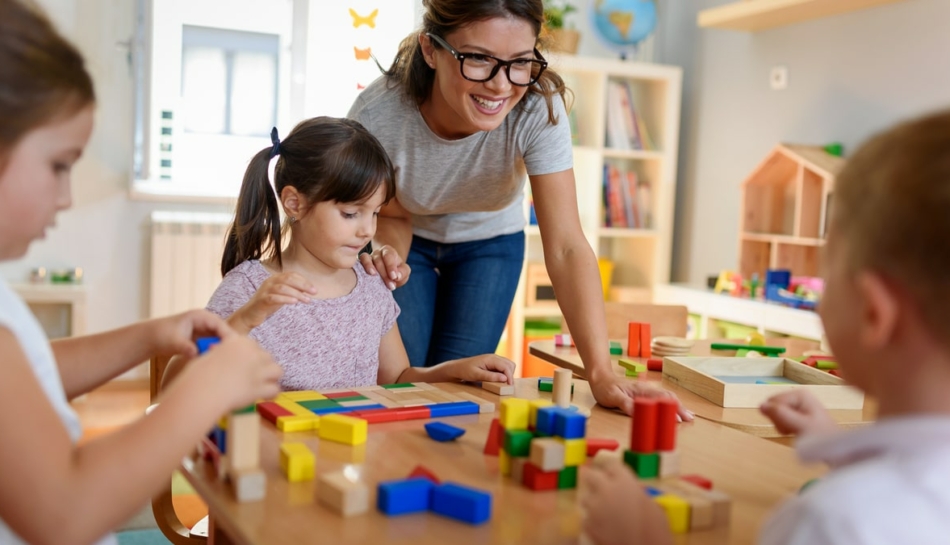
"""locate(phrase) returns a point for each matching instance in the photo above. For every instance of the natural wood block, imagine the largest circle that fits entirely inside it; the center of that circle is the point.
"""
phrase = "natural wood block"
(343, 495)
(499, 388)
(561, 394)
(604, 457)
(248, 484)
(701, 515)
(669, 463)
(243, 441)
(730, 382)
(547, 454)
(484, 407)
(517, 469)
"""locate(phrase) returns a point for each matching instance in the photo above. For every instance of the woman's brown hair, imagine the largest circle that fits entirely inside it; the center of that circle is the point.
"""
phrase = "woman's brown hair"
(442, 17)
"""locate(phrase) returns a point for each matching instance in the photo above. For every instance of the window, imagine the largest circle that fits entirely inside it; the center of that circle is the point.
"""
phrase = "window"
(216, 75)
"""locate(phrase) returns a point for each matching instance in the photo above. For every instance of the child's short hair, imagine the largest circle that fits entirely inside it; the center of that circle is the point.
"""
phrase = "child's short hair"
(42, 76)
(891, 204)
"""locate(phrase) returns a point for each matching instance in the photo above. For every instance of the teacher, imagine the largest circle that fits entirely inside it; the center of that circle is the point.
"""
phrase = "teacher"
(467, 111)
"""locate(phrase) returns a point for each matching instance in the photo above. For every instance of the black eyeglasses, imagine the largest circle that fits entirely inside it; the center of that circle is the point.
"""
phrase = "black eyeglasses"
(480, 68)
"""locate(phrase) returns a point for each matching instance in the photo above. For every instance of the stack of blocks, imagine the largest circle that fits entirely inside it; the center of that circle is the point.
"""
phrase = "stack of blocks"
(638, 340)
(689, 501)
(420, 493)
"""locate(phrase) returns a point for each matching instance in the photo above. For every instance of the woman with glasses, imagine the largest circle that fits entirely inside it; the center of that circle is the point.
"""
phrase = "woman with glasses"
(468, 110)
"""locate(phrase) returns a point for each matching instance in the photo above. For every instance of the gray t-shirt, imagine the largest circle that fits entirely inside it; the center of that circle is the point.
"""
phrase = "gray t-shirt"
(471, 188)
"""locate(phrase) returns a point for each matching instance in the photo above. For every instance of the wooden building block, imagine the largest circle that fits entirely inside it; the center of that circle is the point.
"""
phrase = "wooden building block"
(504, 462)
(562, 388)
(667, 408)
(495, 435)
(633, 339)
(698, 480)
(533, 407)
(298, 423)
(605, 457)
(297, 462)
(548, 454)
(422, 471)
(677, 512)
(301, 395)
(343, 429)
(514, 414)
(701, 514)
(645, 339)
(248, 484)
(416, 402)
(293, 406)
(596, 445)
(244, 441)
(517, 469)
(537, 480)
(270, 411)
(484, 407)
(499, 388)
(669, 463)
(643, 432)
(518, 443)
(575, 451)
(343, 495)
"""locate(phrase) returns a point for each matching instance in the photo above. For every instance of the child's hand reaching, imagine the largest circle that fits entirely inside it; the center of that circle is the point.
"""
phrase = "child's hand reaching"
(798, 412)
(176, 334)
(483, 368)
(275, 292)
(616, 509)
(236, 372)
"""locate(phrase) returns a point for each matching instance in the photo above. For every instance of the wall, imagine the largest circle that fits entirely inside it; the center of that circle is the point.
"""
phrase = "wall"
(849, 76)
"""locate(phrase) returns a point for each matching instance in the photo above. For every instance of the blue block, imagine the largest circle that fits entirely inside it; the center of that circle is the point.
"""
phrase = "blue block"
(569, 424)
(455, 408)
(204, 343)
(545, 422)
(364, 408)
(653, 492)
(404, 496)
(331, 410)
(219, 437)
(442, 432)
(461, 503)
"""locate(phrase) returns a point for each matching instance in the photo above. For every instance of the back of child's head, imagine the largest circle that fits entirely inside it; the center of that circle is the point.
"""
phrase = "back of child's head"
(43, 77)
(891, 207)
(324, 159)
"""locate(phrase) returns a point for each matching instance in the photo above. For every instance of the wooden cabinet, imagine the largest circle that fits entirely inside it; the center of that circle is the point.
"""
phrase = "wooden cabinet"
(637, 257)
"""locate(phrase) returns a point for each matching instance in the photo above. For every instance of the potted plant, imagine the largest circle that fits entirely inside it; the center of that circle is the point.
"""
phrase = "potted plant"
(561, 39)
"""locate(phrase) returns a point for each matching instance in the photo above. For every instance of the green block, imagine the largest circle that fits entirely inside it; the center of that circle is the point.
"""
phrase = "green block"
(769, 350)
(518, 443)
(312, 404)
(826, 364)
(249, 409)
(646, 466)
(400, 385)
(616, 349)
(567, 477)
(632, 374)
(631, 365)
(351, 398)
(544, 386)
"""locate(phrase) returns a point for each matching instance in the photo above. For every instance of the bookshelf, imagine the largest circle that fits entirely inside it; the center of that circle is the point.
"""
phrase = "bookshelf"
(756, 15)
(640, 255)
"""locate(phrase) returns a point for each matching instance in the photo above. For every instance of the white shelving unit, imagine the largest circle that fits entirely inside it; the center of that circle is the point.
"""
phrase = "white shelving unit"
(60, 308)
(641, 257)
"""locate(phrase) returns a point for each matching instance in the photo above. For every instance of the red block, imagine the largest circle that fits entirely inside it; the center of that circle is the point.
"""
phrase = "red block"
(645, 339)
(834, 372)
(655, 364)
(421, 471)
(666, 423)
(633, 339)
(270, 411)
(335, 395)
(412, 413)
(643, 434)
(536, 480)
(698, 480)
(593, 445)
(376, 416)
(493, 443)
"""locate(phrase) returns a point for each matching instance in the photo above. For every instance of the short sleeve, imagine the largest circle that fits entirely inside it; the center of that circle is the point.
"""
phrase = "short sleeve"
(547, 148)
(235, 290)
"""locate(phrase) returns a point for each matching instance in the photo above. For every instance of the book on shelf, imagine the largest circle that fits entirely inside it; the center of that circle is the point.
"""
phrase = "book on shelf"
(626, 128)
(627, 199)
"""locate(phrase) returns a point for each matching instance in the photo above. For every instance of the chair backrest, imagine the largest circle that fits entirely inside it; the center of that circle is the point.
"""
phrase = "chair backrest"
(664, 320)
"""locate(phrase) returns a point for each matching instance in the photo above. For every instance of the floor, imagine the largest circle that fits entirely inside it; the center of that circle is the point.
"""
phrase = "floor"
(111, 406)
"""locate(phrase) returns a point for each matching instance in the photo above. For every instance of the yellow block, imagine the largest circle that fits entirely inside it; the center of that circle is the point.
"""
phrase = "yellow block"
(343, 429)
(533, 407)
(293, 407)
(504, 462)
(575, 451)
(302, 395)
(514, 414)
(298, 422)
(297, 462)
(677, 512)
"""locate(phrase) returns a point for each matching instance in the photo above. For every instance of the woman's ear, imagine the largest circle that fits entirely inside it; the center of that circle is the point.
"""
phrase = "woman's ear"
(428, 51)
(292, 201)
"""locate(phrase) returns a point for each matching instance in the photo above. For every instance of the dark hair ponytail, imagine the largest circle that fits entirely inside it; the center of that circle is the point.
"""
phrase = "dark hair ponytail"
(324, 159)
(255, 230)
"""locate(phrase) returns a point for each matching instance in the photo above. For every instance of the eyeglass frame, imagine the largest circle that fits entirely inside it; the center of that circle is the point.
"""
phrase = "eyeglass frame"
(498, 63)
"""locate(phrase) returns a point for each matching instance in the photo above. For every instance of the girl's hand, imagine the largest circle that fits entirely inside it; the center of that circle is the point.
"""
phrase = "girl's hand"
(387, 262)
(798, 412)
(484, 368)
(236, 371)
(613, 391)
(176, 334)
(281, 289)
(616, 509)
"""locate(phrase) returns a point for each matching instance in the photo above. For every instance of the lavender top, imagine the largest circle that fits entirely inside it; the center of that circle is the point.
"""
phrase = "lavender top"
(324, 344)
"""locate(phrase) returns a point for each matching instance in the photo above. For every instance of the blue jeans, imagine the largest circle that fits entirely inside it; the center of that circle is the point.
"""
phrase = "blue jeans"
(458, 297)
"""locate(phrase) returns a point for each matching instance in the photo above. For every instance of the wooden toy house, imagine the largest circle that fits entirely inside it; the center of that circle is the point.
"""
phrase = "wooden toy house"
(784, 210)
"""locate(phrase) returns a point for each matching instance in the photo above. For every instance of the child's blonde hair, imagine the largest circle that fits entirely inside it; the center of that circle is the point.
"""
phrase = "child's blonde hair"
(892, 207)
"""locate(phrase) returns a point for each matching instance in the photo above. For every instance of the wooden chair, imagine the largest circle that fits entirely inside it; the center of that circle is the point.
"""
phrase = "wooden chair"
(664, 320)
(162, 507)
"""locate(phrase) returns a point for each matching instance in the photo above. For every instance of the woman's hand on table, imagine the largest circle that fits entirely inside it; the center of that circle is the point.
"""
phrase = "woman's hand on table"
(616, 392)
(387, 262)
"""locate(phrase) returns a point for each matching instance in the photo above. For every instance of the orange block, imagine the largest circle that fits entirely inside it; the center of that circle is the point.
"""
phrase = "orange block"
(633, 339)
(645, 339)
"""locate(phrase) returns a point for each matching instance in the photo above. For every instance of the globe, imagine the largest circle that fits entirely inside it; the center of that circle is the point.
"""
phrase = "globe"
(622, 24)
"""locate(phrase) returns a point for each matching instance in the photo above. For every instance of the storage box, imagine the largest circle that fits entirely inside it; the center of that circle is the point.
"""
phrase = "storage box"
(748, 382)
(539, 290)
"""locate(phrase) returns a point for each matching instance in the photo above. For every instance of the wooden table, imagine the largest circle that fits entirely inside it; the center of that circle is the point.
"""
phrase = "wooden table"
(757, 474)
(747, 420)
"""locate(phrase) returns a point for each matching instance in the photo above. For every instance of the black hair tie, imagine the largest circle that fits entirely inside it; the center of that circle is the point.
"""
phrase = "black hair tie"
(275, 151)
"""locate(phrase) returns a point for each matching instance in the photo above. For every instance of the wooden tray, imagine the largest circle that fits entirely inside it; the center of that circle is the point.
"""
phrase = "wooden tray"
(731, 382)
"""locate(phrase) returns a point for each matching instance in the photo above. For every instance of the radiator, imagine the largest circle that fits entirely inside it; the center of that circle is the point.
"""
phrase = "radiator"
(186, 260)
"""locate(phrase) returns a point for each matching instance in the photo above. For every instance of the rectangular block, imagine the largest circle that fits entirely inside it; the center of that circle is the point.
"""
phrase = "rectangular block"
(677, 512)
(517, 469)
(567, 478)
(538, 480)
(461, 503)
(514, 414)
(533, 407)
(415, 402)
(453, 409)
(297, 462)
(569, 424)
(631, 365)
(292, 406)
(398, 386)
(504, 462)
(700, 506)
(298, 423)
(404, 496)
(244, 441)
(518, 442)
(616, 349)
(595, 445)
(484, 407)
(547, 454)
(301, 395)
(377, 416)
(332, 410)
(575, 451)
(342, 495)
(646, 339)
(359, 403)
(343, 429)
(646, 466)
(544, 423)
(248, 484)
(412, 413)
(669, 463)
(311, 404)
(633, 339)
(499, 388)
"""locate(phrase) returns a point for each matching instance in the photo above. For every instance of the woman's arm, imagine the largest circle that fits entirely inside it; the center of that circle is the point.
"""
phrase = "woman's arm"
(391, 245)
